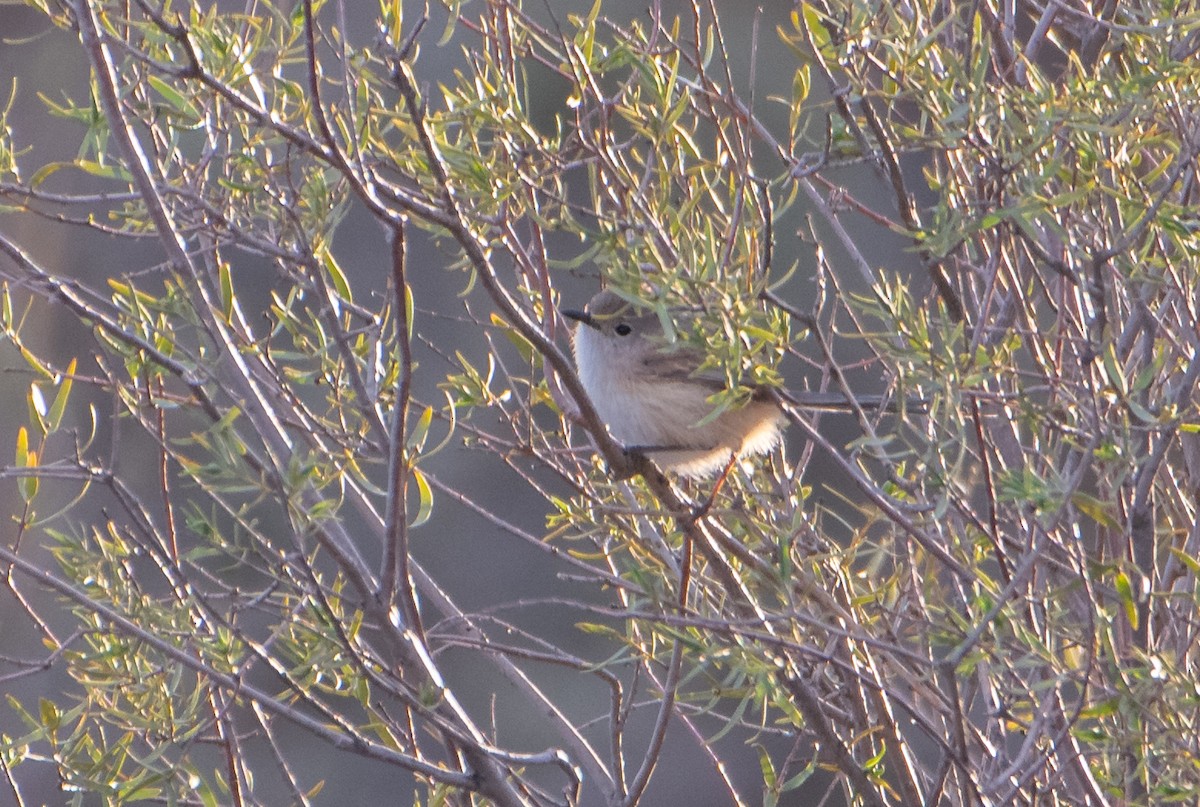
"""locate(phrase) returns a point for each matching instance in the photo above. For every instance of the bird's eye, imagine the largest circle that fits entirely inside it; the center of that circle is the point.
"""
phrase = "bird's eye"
(623, 329)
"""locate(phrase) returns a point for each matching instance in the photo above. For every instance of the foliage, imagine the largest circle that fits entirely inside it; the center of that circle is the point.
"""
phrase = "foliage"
(997, 605)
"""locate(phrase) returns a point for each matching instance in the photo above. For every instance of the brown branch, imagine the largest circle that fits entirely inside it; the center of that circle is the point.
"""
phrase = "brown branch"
(235, 686)
(395, 575)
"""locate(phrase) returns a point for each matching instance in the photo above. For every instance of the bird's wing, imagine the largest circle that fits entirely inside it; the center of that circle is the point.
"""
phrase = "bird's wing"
(680, 364)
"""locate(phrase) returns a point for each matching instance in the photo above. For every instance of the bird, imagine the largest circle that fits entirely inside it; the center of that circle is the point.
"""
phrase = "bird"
(654, 400)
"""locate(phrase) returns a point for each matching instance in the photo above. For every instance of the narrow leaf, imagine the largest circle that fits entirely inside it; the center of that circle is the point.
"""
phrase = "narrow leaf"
(337, 276)
(22, 447)
(426, 508)
(226, 280)
(1125, 593)
(60, 399)
(416, 439)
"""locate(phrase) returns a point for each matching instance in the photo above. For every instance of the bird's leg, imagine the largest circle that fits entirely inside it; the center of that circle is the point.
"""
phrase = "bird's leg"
(685, 576)
(702, 511)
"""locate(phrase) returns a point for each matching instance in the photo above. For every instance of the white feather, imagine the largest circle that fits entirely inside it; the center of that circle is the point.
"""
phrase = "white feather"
(648, 397)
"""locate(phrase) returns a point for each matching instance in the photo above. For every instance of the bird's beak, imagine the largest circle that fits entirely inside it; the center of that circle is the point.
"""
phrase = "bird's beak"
(580, 316)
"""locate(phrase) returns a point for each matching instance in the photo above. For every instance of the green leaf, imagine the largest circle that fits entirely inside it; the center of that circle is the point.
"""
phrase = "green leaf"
(416, 439)
(207, 796)
(873, 766)
(141, 794)
(175, 98)
(54, 419)
(408, 309)
(1105, 708)
(522, 344)
(226, 281)
(35, 362)
(127, 290)
(43, 173)
(1140, 412)
(103, 171)
(451, 24)
(1095, 509)
(1112, 369)
(51, 718)
(816, 28)
(785, 556)
(1187, 560)
(337, 276)
(800, 778)
(426, 493)
(1125, 593)
(22, 458)
(801, 85)
(767, 767)
(392, 20)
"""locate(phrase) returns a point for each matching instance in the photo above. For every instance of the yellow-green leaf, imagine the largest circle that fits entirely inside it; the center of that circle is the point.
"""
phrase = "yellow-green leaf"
(451, 24)
(416, 439)
(337, 276)
(1187, 560)
(1094, 508)
(50, 714)
(408, 309)
(54, 419)
(175, 98)
(226, 280)
(1125, 593)
(522, 344)
(1112, 369)
(816, 28)
(28, 485)
(44, 172)
(127, 290)
(425, 510)
(35, 362)
(22, 457)
(103, 171)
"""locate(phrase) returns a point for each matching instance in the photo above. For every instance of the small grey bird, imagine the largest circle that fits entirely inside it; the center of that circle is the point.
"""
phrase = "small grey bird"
(653, 400)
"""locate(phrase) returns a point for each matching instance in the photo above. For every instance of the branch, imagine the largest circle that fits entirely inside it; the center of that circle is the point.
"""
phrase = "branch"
(235, 686)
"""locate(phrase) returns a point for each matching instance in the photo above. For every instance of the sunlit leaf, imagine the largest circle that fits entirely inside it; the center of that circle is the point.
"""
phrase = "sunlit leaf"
(337, 276)
(425, 508)
(419, 433)
(54, 418)
(1125, 594)
(226, 281)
